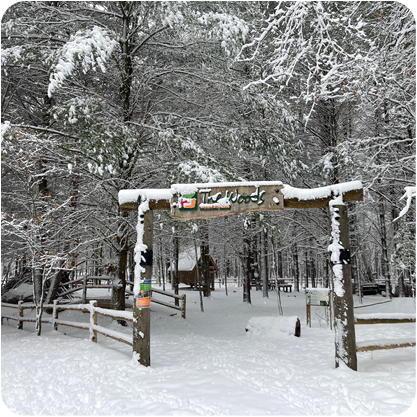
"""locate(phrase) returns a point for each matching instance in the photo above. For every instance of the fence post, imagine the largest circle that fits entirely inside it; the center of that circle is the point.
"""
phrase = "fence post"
(55, 315)
(84, 296)
(183, 305)
(20, 322)
(93, 321)
(308, 313)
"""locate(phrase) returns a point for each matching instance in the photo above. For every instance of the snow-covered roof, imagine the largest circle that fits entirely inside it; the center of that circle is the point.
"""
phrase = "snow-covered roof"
(187, 259)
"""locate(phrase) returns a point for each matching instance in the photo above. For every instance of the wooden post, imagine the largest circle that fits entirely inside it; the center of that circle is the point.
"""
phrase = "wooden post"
(20, 323)
(93, 321)
(344, 321)
(183, 306)
(142, 314)
(84, 295)
(308, 313)
(55, 315)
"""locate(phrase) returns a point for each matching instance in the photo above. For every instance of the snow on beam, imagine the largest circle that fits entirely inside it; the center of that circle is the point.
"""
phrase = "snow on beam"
(159, 199)
(294, 198)
(384, 344)
(300, 198)
(377, 318)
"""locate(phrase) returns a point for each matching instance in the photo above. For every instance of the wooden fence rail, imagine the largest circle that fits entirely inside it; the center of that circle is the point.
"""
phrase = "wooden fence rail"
(93, 282)
(91, 326)
(387, 343)
(181, 298)
(83, 284)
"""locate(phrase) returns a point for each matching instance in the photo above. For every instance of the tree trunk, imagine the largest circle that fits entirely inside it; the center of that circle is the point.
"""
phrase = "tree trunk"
(204, 253)
(385, 266)
(296, 269)
(306, 269)
(177, 272)
(119, 282)
(247, 275)
(279, 266)
(264, 250)
(200, 292)
(53, 288)
(312, 271)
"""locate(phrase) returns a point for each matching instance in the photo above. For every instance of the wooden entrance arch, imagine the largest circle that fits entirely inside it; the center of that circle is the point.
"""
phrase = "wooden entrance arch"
(210, 200)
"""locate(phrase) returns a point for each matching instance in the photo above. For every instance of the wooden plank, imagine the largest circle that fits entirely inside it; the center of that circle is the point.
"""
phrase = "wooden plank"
(100, 277)
(153, 205)
(219, 201)
(84, 326)
(289, 203)
(113, 314)
(163, 303)
(383, 347)
(113, 334)
(384, 320)
(294, 203)
(66, 284)
(73, 307)
(168, 294)
(10, 305)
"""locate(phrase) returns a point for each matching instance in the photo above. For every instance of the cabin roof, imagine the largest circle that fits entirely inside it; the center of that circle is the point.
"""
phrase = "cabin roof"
(187, 259)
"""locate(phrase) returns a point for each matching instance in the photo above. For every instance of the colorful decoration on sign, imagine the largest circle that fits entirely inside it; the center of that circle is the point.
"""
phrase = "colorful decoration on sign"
(188, 202)
(218, 201)
(143, 299)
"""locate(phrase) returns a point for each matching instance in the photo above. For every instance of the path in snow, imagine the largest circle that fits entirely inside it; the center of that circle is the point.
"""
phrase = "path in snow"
(208, 365)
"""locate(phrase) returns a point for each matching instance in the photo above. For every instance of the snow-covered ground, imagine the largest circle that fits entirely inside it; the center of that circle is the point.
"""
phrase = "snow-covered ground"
(209, 365)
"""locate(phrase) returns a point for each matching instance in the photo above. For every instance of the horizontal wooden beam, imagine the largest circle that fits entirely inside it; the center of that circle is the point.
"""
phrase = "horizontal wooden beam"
(153, 205)
(371, 347)
(289, 203)
(384, 320)
(295, 203)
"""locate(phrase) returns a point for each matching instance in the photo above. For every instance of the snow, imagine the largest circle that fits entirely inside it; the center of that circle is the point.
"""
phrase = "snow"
(322, 192)
(272, 327)
(140, 247)
(208, 364)
(334, 248)
(131, 196)
(410, 192)
(386, 316)
(386, 342)
(128, 315)
(186, 260)
(192, 188)
(92, 47)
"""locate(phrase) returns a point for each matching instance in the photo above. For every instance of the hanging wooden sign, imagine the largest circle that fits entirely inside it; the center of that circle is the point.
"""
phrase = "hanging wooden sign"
(203, 201)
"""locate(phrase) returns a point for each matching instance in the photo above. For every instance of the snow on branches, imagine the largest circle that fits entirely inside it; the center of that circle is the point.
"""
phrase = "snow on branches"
(410, 192)
(90, 48)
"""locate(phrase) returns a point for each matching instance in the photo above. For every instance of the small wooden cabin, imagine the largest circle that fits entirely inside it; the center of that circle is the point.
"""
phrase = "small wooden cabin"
(187, 271)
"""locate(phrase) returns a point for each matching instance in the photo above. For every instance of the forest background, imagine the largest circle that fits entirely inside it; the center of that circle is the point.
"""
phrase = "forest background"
(103, 96)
